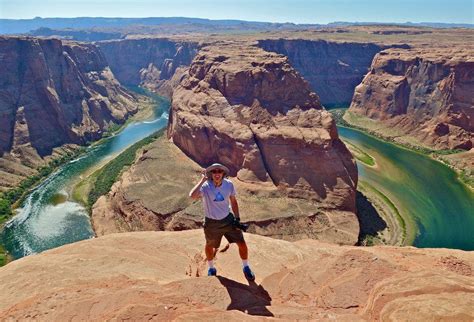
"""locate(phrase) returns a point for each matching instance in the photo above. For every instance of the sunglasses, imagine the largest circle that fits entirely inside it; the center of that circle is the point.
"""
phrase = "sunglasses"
(217, 171)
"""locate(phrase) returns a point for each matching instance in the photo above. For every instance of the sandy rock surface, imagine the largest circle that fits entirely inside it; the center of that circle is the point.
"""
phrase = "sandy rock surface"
(159, 275)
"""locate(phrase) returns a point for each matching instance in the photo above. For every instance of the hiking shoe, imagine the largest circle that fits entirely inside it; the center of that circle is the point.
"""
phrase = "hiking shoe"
(249, 275)
(212, 271)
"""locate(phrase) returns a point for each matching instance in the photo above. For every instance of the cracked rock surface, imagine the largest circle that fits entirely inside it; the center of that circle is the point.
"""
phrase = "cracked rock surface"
(159, 276)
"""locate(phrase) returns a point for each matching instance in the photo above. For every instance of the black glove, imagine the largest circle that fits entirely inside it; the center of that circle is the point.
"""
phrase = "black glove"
(239, 225)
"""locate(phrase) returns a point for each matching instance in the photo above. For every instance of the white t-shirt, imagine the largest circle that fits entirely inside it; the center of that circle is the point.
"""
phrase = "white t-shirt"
(216, 199)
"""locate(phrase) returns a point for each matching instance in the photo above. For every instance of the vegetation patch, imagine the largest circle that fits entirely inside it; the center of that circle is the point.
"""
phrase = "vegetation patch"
(447, 152)
(3, 256)
(106, 176)
(360, 155)
(467, 177)
(57, 199)
(112, 129)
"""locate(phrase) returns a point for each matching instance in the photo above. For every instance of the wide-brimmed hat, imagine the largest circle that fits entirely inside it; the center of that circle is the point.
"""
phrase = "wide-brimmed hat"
(217, 166)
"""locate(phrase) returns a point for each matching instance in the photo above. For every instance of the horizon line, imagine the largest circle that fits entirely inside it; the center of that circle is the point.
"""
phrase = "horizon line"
(259, 21)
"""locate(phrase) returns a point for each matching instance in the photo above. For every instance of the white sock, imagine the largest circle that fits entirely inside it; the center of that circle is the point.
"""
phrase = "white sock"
(210, 264)
(245, 262)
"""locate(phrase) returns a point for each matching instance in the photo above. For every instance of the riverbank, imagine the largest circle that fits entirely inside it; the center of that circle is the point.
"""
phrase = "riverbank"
(83, 187)
(360, 155)
(394, 231)
(460, 161)
(11, 199)
(373, 207)
(103, 176)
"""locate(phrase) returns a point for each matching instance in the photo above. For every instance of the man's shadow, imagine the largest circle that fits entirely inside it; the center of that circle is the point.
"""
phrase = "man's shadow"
(251, 299)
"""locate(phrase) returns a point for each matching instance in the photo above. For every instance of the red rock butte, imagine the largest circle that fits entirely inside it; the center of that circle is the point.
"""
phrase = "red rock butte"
(250, 110)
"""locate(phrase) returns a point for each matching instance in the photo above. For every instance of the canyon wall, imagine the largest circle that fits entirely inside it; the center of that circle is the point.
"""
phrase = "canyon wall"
(154, 63)
(426, 94)
(332, 69)
(53, 93)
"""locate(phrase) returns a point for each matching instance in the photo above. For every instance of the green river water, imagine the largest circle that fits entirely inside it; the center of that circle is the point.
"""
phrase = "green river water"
(426, 190)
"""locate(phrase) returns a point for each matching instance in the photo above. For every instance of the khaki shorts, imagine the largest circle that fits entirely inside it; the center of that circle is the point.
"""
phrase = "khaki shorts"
(215, 229)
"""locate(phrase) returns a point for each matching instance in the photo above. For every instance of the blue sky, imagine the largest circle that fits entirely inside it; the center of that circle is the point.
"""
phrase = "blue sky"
(298, 11)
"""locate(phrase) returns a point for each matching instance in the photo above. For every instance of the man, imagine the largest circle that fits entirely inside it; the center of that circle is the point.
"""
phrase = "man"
(216, 192)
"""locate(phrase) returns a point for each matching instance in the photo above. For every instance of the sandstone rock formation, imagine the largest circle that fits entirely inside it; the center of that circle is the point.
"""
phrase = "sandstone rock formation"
(250, 110)
(332, 69)
(154, 63)
(424, 96)
(159, 276)
(53, 93)
(153, 195)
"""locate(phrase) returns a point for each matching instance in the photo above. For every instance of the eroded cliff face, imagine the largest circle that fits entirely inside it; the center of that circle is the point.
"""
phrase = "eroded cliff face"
(426, 95)
(155, 63)
(53, 93)
(332, 69)
(250, 110)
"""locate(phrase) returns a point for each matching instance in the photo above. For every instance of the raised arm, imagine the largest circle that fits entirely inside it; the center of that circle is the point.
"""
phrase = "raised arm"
(195, 193)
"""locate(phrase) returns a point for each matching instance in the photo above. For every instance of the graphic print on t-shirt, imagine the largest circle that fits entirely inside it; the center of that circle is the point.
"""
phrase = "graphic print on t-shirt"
(219, 197)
